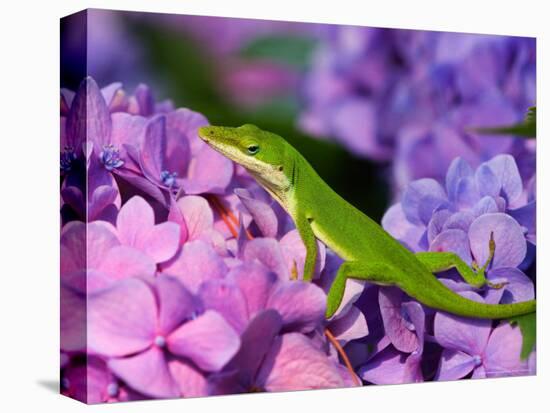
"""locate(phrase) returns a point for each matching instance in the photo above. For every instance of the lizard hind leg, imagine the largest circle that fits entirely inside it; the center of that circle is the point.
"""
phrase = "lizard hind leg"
(376, 273)
(442, 261)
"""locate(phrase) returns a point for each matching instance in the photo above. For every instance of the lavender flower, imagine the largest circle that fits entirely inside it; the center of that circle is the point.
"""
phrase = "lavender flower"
(410, 97)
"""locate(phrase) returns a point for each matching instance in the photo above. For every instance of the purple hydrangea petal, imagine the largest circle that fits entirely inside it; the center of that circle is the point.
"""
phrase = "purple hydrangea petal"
(268, 252)
(519, 287)
(122, 319)
(294, 363)
(526, 216)
(435, 226)
(256, 284)
(454, 365)
(256, 341)
(396, 327)
(396, 223)
(486, 181)
(389, 367)
(228, 300)
(99, 234)
(349, 326)
(195, 263)
(505, 169)
(209, 341)
(453, 240)
(152, 155)
(504, 360)
(511, 246)
(467, 335)
(459, 171)
(176, 304)
(459, 220)
(146, 372)
(421, 199)
(101, 198)
(301, 305)
(486, 205)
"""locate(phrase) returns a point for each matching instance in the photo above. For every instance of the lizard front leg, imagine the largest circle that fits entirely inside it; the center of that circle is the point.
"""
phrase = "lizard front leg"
(377, 273)
(303, 224)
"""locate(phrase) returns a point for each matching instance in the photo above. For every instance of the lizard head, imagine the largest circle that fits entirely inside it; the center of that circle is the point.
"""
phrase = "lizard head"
(265, 155)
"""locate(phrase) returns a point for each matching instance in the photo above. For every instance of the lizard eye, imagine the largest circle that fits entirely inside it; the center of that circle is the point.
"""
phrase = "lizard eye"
(253, 149)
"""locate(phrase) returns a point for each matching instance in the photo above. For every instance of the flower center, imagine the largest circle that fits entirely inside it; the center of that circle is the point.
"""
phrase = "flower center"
(112, 389)
(477, 360)
(110, 157)
(160, 341)
(67, 158)
(168, 179)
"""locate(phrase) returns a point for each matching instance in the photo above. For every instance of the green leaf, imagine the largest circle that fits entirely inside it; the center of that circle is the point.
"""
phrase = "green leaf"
(525, 129)
(289, 49)
(527, 323)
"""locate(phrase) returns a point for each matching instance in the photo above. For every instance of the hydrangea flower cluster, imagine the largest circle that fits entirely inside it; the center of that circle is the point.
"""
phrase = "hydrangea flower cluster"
(412, 97)
(461, 217)
(174, 283)
(180, 276)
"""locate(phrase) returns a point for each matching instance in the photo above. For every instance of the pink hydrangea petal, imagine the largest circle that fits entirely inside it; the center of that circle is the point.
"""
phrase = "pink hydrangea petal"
(162, 241)
(191, 382)
(261, 212)
(510, 242)
(176, 304)
(294, 252)
(195, 263)
(73, 319)
(255, 282)
(125, 262)
(228, 300)
(209, 341)
(187, 123)
(122, 319)
(175, 215)
(197, 214)
(463, 334)
(100, 237)
(294, 363)
(202, 177)
(135, 219)
(454, 365)
(179, 128)
(127, 129)
(301, 304)
(146, 372)
(268, 252)
(395, 326)
(502, 355)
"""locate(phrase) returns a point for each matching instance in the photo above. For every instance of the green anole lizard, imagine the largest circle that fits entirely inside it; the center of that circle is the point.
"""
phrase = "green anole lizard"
(370, 253)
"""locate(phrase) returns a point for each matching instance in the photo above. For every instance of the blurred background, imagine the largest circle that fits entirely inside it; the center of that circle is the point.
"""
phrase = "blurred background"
(370, 108)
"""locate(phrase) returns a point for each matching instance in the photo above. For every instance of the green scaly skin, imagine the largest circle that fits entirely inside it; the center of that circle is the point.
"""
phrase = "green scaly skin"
(370, 253)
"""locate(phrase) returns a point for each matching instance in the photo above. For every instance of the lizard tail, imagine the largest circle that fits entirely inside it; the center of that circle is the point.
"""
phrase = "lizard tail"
(445, 299)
